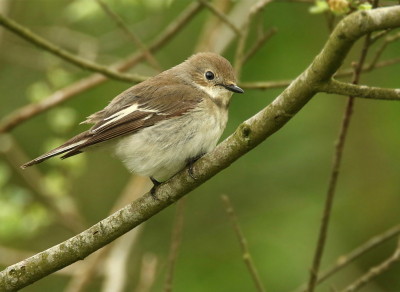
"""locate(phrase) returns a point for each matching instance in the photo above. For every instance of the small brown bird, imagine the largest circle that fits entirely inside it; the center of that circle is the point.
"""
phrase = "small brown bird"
(159, 126)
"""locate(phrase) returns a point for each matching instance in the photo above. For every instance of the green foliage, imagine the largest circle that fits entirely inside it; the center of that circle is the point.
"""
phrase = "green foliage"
(62, 119)
(20, 215)
(5, 174)
(38, 91)
(365, 6)
(320, 7)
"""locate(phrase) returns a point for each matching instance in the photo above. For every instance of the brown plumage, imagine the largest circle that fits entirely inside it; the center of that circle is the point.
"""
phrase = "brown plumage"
(175, 106)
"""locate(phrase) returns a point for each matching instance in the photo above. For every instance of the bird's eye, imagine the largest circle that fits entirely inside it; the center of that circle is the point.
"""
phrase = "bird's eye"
(209, 75)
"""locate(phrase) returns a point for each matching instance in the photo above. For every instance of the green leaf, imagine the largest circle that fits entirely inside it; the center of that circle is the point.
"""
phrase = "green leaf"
(319, 7)
(365, 6)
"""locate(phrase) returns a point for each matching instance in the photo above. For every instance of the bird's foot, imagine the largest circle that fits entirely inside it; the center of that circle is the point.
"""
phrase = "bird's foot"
(153, 189)
(191, 161)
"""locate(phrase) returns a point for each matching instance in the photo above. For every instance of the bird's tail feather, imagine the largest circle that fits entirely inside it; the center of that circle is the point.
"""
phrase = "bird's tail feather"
(70, 145)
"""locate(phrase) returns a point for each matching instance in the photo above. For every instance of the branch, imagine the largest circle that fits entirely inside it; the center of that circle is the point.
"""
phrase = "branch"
(239, 55)
(344, 260)
(175, 244)
(221, 16)
(343, 88)
(333, 179)
(55, 50)
(262, 85)
(249, 134)
(388, 40)
(259, 43)
(133, 37)
(243, 243)
(375, 271)
(27, 112)
(135, 187)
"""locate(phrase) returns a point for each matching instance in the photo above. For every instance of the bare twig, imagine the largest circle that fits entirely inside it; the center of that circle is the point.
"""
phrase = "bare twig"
(263, 85)
(82, 63)
(375, 271)
(350, 257)
(175, 244)
(379, 35)
(367, 67)
(261, 40)
(133, 37)
(147, 273)
(343, 88)
(24, 113)
(239, 56)
(379, 52)
(335, 170)
(243, 244)
(221, 15)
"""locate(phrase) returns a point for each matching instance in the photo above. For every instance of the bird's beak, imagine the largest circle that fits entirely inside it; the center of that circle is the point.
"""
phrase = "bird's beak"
(234, 88)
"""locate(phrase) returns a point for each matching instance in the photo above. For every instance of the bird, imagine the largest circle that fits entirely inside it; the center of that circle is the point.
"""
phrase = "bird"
(163, 124)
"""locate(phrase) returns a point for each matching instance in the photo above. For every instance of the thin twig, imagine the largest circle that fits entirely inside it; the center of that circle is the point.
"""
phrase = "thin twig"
(261, 40)
(175, 244)
(221, 15)
(26, 112)
(239, 55)
(335, 170)
(344, 260)
(35, 39)
(379, 35)
(133, 37)
(263, 85)
(243, 243)
(379, 52)
(374, 271)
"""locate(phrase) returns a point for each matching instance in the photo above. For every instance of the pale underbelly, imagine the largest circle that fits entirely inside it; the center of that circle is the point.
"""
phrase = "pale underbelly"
(162, 150)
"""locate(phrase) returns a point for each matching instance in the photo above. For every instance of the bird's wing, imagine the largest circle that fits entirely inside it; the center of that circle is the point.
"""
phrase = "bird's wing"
(140, 112)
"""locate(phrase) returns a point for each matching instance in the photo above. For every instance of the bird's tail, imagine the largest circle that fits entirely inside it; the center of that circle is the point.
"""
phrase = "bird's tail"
(68, 146)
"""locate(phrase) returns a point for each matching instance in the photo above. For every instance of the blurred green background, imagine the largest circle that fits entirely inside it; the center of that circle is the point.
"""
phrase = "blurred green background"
(278, 189)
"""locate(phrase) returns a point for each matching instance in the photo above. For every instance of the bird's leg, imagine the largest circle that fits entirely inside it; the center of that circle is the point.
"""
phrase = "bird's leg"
(190, 162)
(153, 189)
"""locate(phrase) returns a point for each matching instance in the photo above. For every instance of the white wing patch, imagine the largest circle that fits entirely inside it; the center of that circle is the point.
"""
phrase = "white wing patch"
(123, 113)
(50, 154)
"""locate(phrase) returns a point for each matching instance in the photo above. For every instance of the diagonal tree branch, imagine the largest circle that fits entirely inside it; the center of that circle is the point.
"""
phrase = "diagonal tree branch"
(344, 260)
(26, 112)
(176, 239)
(375, 271)
(221, 16)
(243, 243)
(248, 135)
(55, 50)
